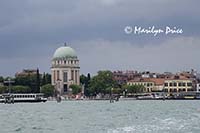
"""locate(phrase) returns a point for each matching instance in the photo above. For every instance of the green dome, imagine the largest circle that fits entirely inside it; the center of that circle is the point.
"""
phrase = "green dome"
(64, 52)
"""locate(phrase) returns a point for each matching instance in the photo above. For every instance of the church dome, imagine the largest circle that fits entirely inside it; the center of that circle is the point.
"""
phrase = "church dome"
(64, 52)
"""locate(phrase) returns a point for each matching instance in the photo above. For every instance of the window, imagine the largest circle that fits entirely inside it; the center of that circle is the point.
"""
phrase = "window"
(184, 84)
(76, 72)
(64, 61)
(148, 84)
(190, 90)
(54, 75)
(170, 84)
(72, 74)
(189, 84)
(166, 84)
(58, 75)
(65, 87)
(175, 84)
(65, 76)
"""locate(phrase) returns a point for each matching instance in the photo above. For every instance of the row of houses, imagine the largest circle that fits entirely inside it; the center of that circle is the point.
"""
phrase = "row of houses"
(155, 82)
(166, 85)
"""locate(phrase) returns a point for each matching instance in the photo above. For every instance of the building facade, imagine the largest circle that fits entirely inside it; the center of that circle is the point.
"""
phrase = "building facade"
(121, 77)
(65, 69)
(167, 85)
(26, 72)
(178, 85)
(150, 84)
(198, 87)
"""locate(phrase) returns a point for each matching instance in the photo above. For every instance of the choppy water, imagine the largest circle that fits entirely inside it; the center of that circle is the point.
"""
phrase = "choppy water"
(101, 116)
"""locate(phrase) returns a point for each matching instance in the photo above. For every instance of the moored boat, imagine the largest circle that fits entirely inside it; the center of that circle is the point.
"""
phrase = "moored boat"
(189, 97)
(145, 97)
(21, 97)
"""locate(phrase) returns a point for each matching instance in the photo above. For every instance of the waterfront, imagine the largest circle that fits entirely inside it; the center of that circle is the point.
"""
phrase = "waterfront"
(101, 116)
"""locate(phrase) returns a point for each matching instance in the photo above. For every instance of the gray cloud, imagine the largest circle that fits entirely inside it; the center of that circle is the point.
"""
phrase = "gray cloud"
(30, 30)
(174, 55)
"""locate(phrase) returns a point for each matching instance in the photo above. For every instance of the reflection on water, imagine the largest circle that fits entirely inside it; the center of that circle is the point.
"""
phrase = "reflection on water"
(101, 116)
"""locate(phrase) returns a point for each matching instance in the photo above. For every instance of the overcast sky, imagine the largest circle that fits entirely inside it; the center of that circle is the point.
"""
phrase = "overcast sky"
(31, 30)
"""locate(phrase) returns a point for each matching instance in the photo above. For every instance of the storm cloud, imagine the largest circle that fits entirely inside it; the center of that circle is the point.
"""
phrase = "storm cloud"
(31, 30)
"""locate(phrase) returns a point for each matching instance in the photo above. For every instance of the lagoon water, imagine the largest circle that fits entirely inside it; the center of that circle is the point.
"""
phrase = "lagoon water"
(101, 117)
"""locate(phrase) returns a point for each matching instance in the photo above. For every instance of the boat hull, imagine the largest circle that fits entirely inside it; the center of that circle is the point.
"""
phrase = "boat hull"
(16, 98)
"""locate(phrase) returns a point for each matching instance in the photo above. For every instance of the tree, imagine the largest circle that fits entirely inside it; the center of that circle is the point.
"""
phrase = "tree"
(101, 83)
(116, 90)
(46, 79)
(1, 79)
(3, 89)
(37, 81)
(20, 89)
(43, 82)
(140, 89)
(28, 80)
(75, 89)
(22, 80)
(85, 80)
(47, 89)
(133, 88)
(86, 90)
(88, 76)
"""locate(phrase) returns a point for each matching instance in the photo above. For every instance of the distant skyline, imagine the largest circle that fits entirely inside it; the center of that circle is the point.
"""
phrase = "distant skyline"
(31, 31)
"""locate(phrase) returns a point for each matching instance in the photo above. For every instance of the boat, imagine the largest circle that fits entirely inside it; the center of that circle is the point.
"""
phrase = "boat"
(197, 97)
(22, 97)
(145, 97)
(189, 97)
(122, 98)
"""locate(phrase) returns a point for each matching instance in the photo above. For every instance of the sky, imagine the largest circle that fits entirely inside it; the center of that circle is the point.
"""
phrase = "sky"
(31, 31)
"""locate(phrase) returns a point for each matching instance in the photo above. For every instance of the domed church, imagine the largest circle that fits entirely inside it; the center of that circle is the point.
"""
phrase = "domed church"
(65, 69)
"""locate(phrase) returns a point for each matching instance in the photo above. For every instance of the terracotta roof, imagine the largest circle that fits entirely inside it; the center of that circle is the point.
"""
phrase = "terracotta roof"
(157, 81)
(179, 77)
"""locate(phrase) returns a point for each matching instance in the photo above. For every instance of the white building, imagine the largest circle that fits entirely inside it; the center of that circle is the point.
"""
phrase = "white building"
(65, 69)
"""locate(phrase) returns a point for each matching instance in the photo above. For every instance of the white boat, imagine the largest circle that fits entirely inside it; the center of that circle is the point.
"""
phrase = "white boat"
(20, 97)
(122, 98)
(145, 97)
